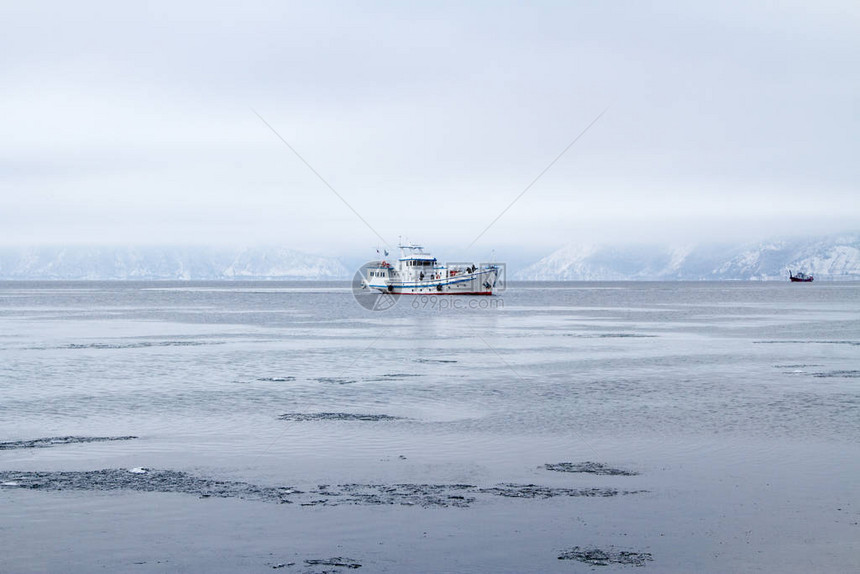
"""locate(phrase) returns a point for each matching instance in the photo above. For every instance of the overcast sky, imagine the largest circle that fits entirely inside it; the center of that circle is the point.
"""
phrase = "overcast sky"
(134, 123)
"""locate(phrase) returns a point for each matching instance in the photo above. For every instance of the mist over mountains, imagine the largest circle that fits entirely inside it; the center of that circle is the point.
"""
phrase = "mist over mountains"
(827, 258)
(165, 263)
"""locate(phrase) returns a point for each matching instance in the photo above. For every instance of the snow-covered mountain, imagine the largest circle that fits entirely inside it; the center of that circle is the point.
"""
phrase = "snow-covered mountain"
(828, 258)
(836, 257)
(283, 263)
(128, 263)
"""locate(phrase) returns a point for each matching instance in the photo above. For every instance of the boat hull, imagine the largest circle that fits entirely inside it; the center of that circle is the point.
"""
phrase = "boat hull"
(481, 282)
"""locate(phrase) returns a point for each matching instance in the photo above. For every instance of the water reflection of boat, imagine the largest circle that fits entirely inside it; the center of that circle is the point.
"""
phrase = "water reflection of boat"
(800, 277)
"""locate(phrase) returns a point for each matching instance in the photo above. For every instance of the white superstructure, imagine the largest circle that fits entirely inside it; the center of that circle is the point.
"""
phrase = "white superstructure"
(417, 272)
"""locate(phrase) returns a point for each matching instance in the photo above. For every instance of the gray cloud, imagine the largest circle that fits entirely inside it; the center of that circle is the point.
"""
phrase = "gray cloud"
(127, 124)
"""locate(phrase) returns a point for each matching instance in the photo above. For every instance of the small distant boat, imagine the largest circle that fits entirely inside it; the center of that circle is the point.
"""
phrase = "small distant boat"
(800, 277)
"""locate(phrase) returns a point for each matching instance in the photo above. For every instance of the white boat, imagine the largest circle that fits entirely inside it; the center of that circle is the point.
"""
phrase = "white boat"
(417, 273)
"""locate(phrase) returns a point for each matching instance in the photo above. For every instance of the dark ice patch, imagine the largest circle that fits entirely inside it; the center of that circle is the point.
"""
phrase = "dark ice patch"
(441, 495)
(58, 440)
(139, 345)
(302, 417)
(356, 494)
(600, 557)
(589, 468)
(423, 495)
(393, 377)
(838, 374)
(435, 361)
(335, 380)
(276, 379)
(145, 480)
(608, 335)
(536, 491)
(337, 562)
(804, 342)
(377, 378)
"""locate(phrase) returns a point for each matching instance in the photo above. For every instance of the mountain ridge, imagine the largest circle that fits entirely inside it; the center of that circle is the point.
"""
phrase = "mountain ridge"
(832, 257)
(166, 263)
(827, 258)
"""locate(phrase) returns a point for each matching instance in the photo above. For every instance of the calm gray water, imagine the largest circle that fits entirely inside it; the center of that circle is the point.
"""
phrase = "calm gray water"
(416, 439)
